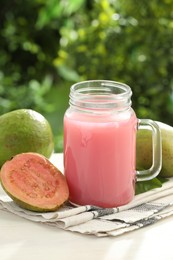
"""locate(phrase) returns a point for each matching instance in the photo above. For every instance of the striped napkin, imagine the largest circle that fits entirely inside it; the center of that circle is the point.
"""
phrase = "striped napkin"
(144, 210)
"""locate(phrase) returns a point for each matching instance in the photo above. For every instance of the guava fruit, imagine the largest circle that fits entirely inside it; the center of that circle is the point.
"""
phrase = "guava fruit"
(24, 130)
(144, 149)
(34, 183)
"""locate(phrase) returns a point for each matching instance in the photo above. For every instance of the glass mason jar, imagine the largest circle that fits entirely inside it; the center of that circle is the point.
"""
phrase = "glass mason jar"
(100, 144)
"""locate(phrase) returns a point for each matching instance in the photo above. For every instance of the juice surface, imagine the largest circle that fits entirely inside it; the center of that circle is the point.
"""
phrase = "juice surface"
(100, 158)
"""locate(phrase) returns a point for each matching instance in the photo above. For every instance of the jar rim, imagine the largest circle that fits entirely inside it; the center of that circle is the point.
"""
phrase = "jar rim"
(82, 87)
(100, 94)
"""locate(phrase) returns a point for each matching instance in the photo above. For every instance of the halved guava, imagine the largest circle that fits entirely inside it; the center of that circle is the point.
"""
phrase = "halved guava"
(34, 183)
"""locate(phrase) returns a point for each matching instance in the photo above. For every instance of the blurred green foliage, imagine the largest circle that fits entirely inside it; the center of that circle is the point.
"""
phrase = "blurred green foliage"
(129, 41)
(47, 45)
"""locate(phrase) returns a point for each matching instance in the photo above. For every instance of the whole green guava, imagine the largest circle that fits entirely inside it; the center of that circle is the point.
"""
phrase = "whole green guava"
(144, 149)
(24, 130)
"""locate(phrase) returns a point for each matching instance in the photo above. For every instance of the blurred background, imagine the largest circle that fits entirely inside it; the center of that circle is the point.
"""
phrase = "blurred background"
(47, 45)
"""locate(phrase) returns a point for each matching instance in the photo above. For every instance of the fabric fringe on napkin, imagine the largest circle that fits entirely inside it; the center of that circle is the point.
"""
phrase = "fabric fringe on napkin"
(144, 210)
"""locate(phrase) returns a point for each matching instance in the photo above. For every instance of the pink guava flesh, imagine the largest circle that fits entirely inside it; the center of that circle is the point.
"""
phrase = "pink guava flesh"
(34, 182)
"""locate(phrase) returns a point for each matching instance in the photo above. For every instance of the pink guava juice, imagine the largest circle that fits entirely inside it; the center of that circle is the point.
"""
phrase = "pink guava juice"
(100, 157)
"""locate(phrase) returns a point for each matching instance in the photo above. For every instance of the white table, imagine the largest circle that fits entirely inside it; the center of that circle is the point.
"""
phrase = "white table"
(22, 239)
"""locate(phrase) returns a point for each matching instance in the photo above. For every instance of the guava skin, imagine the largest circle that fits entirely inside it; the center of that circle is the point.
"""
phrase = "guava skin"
(24, 130)
(144, 149)
(34, 183)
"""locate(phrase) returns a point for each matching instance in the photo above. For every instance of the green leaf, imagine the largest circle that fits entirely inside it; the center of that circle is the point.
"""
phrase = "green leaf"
(144, 186)
(68, 74)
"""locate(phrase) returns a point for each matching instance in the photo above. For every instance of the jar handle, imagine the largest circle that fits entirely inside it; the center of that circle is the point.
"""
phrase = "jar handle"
(154, 170)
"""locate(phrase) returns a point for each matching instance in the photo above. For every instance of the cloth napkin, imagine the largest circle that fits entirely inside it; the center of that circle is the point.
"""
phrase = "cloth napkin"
(144, 210)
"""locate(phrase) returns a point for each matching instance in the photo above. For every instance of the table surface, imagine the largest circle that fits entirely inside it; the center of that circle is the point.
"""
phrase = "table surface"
(21, 239)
